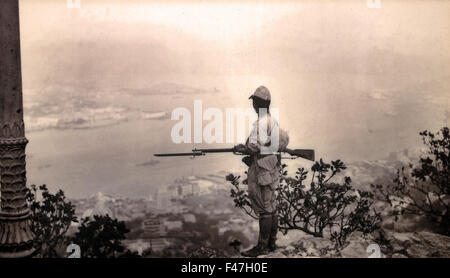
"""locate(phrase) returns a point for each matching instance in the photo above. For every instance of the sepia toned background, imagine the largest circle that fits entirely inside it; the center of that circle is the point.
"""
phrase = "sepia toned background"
(100, 81)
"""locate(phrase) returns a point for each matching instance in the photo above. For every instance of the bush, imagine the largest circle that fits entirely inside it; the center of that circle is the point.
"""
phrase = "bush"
(101, 237)
(51, 216)
(424, 189)
(325, 206)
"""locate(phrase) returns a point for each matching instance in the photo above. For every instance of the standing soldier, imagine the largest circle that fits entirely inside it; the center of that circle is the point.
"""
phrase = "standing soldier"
(263, 144)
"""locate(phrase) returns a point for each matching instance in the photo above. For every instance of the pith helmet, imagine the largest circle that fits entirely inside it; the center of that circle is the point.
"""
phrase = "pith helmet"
(262, 93)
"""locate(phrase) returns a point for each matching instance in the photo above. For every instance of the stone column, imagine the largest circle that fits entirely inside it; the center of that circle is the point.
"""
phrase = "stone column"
(16, 238)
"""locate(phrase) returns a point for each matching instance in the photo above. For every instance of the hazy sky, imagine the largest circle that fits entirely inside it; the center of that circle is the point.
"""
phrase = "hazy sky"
(346, 77)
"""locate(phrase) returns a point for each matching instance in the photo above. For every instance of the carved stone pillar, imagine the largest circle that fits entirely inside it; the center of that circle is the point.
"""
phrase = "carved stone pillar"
(16, 238)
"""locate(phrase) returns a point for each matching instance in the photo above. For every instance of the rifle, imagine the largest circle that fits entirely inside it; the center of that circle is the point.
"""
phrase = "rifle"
(303, 153)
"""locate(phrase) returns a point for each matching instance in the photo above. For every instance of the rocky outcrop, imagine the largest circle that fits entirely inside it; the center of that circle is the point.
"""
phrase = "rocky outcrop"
(421, 244)
(418, 245)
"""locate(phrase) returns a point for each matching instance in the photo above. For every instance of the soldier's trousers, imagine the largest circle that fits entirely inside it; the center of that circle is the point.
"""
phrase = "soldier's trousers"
(262, 183)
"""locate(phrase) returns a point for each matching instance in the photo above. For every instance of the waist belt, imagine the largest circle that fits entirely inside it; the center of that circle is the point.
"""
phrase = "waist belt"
(259, 156)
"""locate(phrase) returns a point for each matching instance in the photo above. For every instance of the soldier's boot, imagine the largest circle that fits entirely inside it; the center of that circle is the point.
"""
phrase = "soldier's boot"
(273, 233)
(265, 225)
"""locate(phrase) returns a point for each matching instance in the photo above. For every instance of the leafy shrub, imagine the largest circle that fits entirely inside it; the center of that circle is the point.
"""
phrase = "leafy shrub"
(424, 189)
(325, 206)
(51, 216)
(101, 237)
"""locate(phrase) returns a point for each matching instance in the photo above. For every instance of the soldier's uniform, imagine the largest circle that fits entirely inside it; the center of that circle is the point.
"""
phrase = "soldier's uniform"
(263, 173)
(264, 176)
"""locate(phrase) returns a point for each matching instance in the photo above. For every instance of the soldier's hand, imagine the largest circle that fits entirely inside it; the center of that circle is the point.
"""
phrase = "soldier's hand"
(247, 160)
(241, 148)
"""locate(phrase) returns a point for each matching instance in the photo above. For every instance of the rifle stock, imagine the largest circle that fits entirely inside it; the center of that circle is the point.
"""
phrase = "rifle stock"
(303, 153)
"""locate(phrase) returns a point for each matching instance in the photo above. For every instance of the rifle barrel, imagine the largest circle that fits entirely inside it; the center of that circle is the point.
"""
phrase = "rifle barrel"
(223, 150)
(179, 154)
